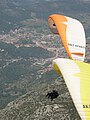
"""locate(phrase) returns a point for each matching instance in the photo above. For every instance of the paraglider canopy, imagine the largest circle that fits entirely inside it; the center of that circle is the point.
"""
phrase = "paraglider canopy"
(71, 33)
(76, 75)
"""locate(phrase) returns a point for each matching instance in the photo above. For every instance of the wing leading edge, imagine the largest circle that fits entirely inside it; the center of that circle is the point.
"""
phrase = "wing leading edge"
(71, 33)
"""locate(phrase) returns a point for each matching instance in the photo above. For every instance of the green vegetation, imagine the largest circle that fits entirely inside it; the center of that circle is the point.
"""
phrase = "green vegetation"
(13, 13)
(23, 41)
(18, 72)
(8, 49)
(37, 52)
(12, 72)
(24, 52)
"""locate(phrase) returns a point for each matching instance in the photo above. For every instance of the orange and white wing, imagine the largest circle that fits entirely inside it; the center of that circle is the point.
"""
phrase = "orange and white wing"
(71, 33)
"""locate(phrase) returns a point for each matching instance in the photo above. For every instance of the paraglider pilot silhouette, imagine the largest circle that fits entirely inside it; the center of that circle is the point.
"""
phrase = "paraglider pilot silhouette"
(52, 95)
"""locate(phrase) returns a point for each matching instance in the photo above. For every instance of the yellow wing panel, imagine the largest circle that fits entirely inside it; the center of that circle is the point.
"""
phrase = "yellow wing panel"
(77, 78)
(84, 76)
